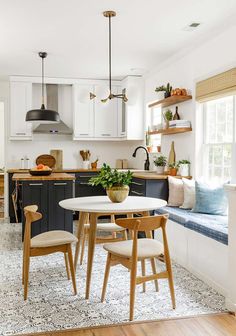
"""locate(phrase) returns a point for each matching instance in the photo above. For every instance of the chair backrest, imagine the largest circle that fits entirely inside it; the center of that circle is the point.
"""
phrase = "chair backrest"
(31, 215)
(147, 224)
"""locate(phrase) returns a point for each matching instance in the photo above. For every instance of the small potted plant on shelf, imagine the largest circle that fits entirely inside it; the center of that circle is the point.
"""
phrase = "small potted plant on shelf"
(168, 116)
(160, 163)
(173, 168)
(184, 167)
(163, 91)
(116, 183)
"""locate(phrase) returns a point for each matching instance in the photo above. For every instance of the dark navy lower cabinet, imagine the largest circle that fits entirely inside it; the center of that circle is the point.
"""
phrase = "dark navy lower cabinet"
(47, 195)
(149, 188)
(83, 188)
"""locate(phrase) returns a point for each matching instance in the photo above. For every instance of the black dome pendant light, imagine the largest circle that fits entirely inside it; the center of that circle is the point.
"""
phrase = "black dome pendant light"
(43, 115)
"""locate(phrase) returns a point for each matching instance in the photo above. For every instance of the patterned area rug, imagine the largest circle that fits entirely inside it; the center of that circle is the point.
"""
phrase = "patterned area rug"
(51, 305)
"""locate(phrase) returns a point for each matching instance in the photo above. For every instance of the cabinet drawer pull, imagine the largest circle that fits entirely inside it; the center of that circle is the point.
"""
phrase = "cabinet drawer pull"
(83, 183)
(106, 134)
(83, 134)
(85, 176)
(20, 133)
(136, 193)
(35, 184)
(136, 183)
(60, 183)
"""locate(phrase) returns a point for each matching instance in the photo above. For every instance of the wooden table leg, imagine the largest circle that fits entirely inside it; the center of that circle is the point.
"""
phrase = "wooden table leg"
(82, 219)
(91, 246)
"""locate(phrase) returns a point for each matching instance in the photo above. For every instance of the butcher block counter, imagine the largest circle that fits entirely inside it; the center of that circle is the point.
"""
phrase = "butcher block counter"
(53, 176)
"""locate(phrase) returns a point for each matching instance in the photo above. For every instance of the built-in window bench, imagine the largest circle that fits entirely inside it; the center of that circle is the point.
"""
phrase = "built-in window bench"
(199, 242)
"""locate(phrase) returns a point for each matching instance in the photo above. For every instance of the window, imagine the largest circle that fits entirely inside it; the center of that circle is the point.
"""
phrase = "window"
(219, 135)
(155, 122)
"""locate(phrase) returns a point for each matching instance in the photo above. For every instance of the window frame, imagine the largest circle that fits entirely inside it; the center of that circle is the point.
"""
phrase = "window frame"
(206, 145)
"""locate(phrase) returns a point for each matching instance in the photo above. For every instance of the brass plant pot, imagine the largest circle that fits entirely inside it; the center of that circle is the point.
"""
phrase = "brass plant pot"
(118, 194)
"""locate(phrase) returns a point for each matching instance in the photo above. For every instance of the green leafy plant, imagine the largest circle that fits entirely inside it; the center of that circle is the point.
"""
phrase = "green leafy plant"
(174, 165)
(109, 177)
(160, 161)
(168, 115)
(183, 162)
(160, 88)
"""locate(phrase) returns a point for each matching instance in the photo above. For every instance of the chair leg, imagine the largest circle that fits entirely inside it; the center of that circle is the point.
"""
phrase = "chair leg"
(85, 235)
(154, 271)
(67, 266)
(106, 275)
(171, 282)
(125, 236)
(143, 273)
(23, 265)
(132, 291)
(113, 235)
(72, 270)
(26, 274)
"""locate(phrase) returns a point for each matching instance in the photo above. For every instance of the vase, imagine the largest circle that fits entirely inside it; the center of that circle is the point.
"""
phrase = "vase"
(184, 169)
(86, 164)
(118, 194)
(171, 159)
(160, 170)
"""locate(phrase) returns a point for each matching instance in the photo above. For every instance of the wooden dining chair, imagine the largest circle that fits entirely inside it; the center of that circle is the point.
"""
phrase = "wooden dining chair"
(43, 244)
(103, 228)
(128, 253)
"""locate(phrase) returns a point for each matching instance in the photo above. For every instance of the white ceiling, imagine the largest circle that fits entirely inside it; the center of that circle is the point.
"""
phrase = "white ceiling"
(74, 33)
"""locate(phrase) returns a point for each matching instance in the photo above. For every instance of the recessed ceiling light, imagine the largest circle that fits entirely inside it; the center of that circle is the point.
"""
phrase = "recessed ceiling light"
(192, 26)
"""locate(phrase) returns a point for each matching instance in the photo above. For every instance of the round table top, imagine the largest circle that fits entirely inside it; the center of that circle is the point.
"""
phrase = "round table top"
(102, 204)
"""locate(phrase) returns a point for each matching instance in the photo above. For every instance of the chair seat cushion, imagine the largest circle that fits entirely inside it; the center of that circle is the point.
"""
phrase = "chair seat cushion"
(53, 238)
(110, 227)
(147, 248)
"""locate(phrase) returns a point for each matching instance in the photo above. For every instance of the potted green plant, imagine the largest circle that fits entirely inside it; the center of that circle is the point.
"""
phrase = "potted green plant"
(116, 183)
(168, 116)
(184, 167)
(160, 90)
(160, 163)
(173, 168)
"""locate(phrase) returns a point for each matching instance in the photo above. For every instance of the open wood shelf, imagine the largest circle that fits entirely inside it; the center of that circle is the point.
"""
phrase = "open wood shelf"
(174, 130)
(172, 100)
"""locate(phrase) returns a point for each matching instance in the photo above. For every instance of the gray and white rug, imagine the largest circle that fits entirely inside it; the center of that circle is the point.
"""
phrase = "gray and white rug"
(51, 304)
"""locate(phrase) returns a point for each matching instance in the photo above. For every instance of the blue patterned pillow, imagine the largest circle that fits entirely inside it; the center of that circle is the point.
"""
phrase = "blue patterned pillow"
(210, 199)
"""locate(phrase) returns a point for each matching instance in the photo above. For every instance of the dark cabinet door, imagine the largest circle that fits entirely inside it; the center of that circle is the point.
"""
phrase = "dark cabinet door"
(137, 187)
(36, 193)
(82, 187)
(59, 218)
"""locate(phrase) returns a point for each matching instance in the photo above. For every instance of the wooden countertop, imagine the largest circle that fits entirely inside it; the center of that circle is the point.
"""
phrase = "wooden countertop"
(69, 170)
(53, 177)
(154, 176)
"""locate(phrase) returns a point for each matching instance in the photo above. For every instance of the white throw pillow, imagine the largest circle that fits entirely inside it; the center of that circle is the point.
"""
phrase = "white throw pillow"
(189, 194)
(176, 191)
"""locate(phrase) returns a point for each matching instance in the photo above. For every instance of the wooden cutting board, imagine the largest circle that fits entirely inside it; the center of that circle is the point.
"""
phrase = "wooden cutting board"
(46, 159)
(58, 155)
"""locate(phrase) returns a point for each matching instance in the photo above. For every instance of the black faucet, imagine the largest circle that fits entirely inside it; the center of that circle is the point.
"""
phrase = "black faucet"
(147, 162)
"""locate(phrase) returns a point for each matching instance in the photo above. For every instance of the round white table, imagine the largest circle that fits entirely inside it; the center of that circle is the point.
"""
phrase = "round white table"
(96, 206)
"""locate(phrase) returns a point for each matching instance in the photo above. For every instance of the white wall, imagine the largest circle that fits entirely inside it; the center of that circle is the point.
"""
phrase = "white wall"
(212, 57)
(2, 133)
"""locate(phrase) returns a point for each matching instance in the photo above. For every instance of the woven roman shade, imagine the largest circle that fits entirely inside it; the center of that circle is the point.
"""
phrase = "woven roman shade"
(216, 86)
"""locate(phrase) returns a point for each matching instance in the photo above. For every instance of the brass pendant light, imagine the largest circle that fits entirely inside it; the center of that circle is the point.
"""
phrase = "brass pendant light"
(109, 15)
(43, 115)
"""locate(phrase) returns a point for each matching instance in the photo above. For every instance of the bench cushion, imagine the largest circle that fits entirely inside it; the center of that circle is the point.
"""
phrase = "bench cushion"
(212, 226)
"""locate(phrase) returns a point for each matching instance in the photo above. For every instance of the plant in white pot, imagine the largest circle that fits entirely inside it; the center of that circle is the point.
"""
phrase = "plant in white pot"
(160, 90)
(184, 167)
(160, 163)
(116, 183)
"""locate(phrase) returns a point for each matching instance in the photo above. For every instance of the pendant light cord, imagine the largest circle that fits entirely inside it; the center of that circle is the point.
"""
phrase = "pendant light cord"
(42, 81)
(110, 53)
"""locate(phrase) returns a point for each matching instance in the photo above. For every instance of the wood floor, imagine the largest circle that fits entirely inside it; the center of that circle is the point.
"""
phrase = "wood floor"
(208, 325)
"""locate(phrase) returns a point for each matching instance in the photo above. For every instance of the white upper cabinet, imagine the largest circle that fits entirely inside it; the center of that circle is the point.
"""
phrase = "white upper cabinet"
(20, 103)
(83, 111)
(105, 114)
